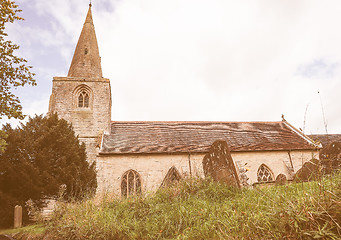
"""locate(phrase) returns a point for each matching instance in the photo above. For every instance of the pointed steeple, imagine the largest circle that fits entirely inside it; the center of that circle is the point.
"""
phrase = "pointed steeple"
(86, 61)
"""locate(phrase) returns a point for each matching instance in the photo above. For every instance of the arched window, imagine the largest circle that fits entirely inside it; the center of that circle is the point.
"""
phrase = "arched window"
(172, 176)
(264, 174)
(83, 99)
(131, 183)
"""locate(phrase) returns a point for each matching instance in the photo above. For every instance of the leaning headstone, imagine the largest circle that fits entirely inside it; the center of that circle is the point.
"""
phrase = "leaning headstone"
(172, 176)
(218, 164)
(17, 216)
(310, 170)
(281, 179)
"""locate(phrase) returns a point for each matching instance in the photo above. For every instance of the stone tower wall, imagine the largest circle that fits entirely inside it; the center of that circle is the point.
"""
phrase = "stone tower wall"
(88, 123)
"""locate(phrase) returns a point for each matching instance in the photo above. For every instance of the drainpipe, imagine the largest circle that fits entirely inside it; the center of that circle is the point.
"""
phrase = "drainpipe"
(189, 164)
(290, 160)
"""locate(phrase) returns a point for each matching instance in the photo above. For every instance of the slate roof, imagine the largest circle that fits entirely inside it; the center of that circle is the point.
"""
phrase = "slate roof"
(325, 139)
(197, 137)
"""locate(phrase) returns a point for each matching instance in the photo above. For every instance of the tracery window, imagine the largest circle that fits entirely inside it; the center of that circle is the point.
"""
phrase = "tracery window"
(131, 184)
(264, 174)
(83, 100)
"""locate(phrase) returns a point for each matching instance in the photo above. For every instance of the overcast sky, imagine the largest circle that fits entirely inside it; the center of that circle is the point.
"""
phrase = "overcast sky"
(214, 60)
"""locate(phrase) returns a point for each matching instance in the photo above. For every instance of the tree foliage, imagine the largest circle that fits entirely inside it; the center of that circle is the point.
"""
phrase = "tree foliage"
(3, 143)
(40, 157)
(13, 69)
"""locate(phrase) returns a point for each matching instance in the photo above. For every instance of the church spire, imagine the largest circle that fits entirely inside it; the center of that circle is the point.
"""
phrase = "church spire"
(86, 61)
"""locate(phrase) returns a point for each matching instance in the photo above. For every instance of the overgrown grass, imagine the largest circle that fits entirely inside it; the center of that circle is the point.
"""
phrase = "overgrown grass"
(32, 230)
(202, 209)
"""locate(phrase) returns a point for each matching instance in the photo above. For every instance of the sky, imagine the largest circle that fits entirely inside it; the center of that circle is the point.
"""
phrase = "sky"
(195, 60)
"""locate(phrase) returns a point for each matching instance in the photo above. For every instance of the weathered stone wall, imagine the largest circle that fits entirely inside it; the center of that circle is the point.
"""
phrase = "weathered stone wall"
(151, 167)
(91, 145)
(89, 122)
(154, 167)
(278, 162)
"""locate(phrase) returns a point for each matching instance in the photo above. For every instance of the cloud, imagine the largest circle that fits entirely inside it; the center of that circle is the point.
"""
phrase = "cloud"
(318, 69)
(205, 60)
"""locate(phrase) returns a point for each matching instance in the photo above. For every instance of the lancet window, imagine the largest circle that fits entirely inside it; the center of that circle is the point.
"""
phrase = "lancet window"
(264, 174)
(131, 184)
(83, 99)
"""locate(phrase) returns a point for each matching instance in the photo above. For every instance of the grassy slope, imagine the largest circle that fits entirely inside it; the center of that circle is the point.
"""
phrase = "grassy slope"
(201, 209)
(32, 230)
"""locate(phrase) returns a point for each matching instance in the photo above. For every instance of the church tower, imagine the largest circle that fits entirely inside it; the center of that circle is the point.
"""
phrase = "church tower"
(83, 98)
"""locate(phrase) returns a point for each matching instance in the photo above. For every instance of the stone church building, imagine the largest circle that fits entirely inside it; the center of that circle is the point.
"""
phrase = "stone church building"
(133, 157)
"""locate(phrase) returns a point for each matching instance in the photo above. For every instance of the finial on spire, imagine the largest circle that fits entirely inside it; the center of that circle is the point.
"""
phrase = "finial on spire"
(90, 5)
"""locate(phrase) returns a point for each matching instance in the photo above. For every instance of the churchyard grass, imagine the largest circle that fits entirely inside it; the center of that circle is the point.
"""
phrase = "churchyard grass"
(202, 209)
(31, 230)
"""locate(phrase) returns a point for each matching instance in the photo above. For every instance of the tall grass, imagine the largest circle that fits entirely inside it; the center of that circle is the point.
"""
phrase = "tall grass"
(202, 209)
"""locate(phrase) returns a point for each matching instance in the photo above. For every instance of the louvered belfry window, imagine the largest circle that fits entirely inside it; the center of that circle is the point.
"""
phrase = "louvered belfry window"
(131, 184)
(83, 100)
(264, 174)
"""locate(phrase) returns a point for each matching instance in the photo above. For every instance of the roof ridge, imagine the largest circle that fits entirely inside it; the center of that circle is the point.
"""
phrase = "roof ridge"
(133, 122)
(324, 134)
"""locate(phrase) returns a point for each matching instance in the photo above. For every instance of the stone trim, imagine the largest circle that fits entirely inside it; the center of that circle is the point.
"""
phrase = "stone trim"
(80, 79)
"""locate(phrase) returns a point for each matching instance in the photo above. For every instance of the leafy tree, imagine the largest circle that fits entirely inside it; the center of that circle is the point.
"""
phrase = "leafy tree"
(3, 143)
(13, 69)
(40, 157)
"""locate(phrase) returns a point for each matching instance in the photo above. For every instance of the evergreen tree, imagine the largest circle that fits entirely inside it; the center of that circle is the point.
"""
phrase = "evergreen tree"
(42, 155)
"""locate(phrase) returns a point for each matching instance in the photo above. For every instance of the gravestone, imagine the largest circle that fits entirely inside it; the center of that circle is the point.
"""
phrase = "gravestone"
(281, 179)
(310, 170)
(17, 216)
(172, 176)
(218, 164)
(330, 157)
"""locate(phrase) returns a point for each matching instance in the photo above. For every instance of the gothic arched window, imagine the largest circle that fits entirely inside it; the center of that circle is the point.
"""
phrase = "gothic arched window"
(83, 99)
(264, 174)
(171, 177)
(131, 183)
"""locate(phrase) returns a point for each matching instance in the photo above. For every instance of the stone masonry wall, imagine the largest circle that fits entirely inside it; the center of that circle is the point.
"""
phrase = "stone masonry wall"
(91, 145)
(154, 167)
(88, 123)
